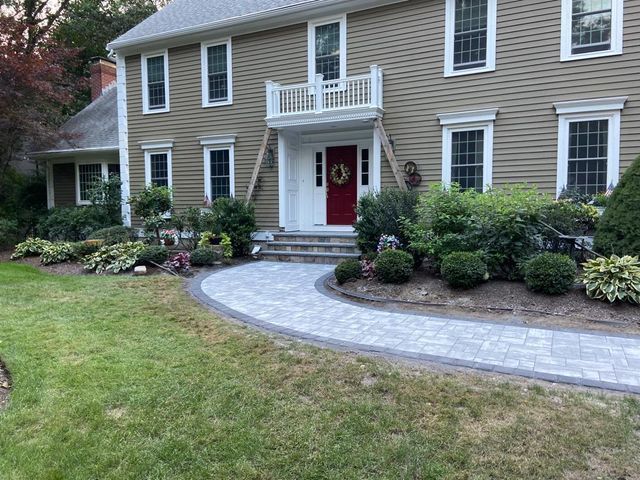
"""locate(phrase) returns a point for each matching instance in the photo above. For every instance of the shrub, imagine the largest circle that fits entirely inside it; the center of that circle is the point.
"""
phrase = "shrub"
(152, 205)
(440, 247)
(551, 273)
(191, 223)
(23, 201)
(205, 256)
(613, 279)
(180, 262)
(113, 235)
(569, 218)
(464, 269)
(31, 247)
(208, 238)
(151, 254)
(57, 253)
(380, 213)
(72, 224)
(237, 219)
(348, 270)
(394, 266)
(105, 196)
(618, 231)
(82, 249)
(446, 210)
(114, 258)
(9, 233)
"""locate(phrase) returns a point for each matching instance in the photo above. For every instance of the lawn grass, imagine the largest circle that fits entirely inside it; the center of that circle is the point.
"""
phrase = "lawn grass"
(122, 377)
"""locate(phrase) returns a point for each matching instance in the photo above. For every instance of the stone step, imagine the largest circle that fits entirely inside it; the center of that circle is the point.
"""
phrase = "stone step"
(315, 237)
(326, 247)
(307, 257)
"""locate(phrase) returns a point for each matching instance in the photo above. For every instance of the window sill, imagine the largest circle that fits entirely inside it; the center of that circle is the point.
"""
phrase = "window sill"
(154, 112)
(226, 103)
(471, 71)
(586, 56)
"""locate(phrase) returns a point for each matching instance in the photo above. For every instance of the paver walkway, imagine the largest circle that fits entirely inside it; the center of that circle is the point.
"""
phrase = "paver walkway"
(284, 297)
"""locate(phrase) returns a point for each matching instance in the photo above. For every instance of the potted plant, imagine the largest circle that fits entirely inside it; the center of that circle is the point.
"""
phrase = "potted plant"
(168, 238)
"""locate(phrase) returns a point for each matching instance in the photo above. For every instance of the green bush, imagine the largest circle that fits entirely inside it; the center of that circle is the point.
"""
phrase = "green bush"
(105, 195)
(205, 256)
(87, 247)
(445, 211)
(9, 233)
(348, 270)
(440, 247)
(613, 279)
(464, 269)
(237, 219)
(114, 258)
(569, 218)
(618, 231)
(23, 201)
(57, 253)
(31, 247)
(151, 254)
(72, 224)
(152, 206)
(551, 273)
(113, 235)
(394, 266)
(380, 214)
(209, 239)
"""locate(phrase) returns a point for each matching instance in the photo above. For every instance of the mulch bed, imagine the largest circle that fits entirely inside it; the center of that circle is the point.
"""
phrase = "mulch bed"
(503, 300)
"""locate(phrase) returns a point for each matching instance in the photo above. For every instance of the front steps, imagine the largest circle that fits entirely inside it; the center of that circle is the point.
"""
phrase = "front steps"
(311, 247)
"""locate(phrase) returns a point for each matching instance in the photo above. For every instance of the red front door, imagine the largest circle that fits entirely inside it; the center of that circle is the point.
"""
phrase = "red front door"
(342, 197)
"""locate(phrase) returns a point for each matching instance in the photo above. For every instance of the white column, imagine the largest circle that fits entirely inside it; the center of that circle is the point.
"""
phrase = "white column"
(123, 138)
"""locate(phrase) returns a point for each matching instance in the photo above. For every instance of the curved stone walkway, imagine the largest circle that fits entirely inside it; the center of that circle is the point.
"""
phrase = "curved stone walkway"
(289, 298)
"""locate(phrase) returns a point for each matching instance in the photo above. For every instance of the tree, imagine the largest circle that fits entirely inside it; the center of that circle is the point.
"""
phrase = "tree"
(619, 228)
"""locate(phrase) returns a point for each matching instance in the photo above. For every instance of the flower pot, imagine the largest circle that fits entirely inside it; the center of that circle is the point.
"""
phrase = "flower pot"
(168, 242)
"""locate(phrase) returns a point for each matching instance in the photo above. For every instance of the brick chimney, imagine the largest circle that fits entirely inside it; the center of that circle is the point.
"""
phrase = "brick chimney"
(103, 74)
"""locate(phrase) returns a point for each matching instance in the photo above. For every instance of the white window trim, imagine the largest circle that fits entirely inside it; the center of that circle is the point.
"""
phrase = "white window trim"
(466, 121)
(311, 41)
(204, 69)
(577, 111)
(147, 165)
(450, 29)
(105, 174)
(212, 147)
(145, 90)
(617, 21)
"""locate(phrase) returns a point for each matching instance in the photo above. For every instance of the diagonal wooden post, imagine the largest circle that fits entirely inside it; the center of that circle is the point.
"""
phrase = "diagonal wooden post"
(379, 128)
(256, 168)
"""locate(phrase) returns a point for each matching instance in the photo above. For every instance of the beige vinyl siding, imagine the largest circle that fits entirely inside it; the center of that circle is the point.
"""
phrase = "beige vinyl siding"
(64, 184)
(279, 55)
(407, 41)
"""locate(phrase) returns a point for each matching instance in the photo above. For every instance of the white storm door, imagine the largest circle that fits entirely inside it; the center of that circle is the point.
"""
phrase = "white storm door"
(292, 179)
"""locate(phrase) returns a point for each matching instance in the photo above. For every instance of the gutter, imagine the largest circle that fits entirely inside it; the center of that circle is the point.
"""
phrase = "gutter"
(280, 13)
(58, 153)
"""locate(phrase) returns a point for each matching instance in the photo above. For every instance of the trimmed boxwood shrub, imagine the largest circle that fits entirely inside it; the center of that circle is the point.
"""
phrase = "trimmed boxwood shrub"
(205, 256)
(153, 254)
(618, 231)
(348, 270)
(113, 235)
(464, 269)
(394, 266)
(551, 273)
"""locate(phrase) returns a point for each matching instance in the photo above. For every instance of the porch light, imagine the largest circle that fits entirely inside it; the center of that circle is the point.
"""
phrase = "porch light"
(270, 158)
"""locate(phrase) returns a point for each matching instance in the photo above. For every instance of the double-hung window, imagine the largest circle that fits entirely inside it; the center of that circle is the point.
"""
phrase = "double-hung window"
(217, 85)
(157, 163)
(155, 83)
(589, 144)
(467, 148)
(88, 175)
(591, 28)
(219, 168)
(328, 48)
(470, 45)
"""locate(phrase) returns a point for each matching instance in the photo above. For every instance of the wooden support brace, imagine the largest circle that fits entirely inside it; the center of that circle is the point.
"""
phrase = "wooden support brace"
(256, 169)
(379, 128)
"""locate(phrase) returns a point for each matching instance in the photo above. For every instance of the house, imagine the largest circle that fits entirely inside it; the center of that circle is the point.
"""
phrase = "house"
(331, 99)
(88, 145)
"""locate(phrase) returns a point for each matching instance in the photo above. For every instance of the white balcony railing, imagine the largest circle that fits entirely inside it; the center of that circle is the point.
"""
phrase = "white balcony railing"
(351, 93)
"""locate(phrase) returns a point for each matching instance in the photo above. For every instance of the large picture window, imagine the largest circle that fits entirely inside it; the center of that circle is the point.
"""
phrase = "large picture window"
(155, 79)
(88, 175)
(217, 85)
(591, 28)
(470, 36)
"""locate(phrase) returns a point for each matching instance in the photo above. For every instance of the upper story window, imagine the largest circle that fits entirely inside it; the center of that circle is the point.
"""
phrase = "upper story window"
(467, 148)
(328, 48)
(217, 85)
(155, 83)
(589, 144)
(470, 44)
(591, 28)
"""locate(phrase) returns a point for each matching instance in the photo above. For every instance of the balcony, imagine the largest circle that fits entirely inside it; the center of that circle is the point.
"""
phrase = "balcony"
(325, 101)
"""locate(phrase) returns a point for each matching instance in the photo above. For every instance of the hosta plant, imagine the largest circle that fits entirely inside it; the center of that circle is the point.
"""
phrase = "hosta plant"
(57, 253)
(613, 279)
(114, 258)
(31, 247)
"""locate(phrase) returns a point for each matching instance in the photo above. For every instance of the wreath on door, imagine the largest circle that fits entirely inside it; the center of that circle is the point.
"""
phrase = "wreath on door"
(340, 174)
